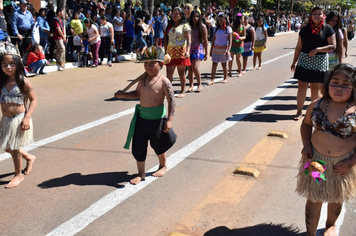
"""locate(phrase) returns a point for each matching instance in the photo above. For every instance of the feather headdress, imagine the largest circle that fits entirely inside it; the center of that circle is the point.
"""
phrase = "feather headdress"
(7, 48)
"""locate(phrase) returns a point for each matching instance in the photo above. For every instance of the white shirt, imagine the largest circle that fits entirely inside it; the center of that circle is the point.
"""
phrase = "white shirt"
(116, 21)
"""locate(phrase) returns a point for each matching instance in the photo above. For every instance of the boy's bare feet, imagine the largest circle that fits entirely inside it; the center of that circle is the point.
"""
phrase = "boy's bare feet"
(253, 69)
(259, 68)
(200, 88)
(160, 172)
(211, 83)
(190, 89)
(181, 95)
(224, 81)
(243, 72)
(239, 74)
(15, 181)
(30, 162)
(137, 179)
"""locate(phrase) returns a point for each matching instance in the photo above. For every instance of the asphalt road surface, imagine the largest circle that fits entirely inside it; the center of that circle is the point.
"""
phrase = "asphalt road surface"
(79, 183)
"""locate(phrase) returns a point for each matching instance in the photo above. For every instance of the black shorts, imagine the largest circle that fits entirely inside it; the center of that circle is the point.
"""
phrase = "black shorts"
(151, 130)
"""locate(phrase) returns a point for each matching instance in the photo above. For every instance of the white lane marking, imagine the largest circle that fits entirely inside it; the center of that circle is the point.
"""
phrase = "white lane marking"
(111, 200)
(70, 132)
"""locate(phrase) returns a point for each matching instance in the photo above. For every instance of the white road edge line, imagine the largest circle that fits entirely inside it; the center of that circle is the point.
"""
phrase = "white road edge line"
(70, 132)
(111, 200)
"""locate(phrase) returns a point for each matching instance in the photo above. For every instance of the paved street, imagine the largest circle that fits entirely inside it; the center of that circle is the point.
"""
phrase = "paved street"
(79, 183)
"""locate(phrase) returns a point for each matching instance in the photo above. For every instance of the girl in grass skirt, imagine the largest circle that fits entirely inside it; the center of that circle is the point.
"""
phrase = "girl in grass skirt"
(16, 129)
(332, 143)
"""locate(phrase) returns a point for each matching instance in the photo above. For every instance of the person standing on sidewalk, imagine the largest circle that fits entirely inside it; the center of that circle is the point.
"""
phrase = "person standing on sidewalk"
(60, 38)
(22, 24)
(94, 40)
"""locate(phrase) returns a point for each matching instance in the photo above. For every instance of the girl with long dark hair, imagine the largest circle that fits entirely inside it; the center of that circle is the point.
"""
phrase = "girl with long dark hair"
(199, 48)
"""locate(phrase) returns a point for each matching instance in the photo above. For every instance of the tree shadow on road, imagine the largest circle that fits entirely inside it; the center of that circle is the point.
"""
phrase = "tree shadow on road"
(112, 179)
(266, 229)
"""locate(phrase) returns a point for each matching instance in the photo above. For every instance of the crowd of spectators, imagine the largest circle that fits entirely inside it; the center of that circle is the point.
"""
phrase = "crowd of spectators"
(110, 27)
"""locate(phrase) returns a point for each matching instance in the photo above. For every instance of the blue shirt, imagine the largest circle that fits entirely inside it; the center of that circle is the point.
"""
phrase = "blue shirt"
(130, 29)
(43, 26)
(86, 45)
(22, 21)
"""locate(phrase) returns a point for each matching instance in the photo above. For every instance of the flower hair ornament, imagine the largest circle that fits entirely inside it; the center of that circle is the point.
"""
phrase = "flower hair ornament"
(316, 170)
(7, 48)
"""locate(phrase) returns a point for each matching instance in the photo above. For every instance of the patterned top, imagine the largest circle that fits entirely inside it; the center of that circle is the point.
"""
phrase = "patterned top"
(177, 45)
(12, 96)
(344, 127)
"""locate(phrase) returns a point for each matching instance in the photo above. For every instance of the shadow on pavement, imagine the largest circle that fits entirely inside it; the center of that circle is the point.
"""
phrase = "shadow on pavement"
(257, 230)
(112, 179)
(4, 176)
(114, 99)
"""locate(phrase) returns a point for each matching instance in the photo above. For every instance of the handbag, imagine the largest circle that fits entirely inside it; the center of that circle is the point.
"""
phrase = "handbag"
(77, 40)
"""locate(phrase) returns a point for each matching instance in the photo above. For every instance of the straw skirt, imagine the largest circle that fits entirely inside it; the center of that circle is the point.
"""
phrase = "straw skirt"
(11, 135)
(336, 188)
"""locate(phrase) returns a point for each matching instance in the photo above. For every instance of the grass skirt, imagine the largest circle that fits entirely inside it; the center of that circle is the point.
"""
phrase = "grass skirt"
(336, 188)
(11, 135)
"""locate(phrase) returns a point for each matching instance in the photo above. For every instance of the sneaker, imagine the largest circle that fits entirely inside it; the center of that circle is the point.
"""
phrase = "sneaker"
(60, 68)
(110, 64)
(42, 73)
(94, 66)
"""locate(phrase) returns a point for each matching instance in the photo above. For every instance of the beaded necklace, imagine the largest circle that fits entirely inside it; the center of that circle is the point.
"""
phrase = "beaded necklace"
(316, 30)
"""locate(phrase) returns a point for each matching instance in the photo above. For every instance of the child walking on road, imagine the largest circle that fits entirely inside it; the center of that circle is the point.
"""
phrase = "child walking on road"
(150, 122)
(260, 43)
(16, 128)
(328, 155)
(220, 47)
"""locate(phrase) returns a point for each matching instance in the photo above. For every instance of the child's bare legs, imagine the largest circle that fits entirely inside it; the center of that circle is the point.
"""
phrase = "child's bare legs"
(312, 214)
(141, 173)
(197, 74)
(162, 169)
(259, 56)
(224, 66)
(244, 64)
(301, 95)
(181, 73)
(231, 63)
(254, 61)
(334, 210)
(30, 159)
(238, 62)
(170, 72)
(213, 72)
(191, 78)
(17, 159)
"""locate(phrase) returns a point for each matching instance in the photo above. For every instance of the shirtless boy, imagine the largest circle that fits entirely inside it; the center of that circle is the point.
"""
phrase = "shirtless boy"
(150, 121)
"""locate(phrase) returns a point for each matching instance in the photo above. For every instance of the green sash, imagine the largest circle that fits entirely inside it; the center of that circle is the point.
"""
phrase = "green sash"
(148, 113)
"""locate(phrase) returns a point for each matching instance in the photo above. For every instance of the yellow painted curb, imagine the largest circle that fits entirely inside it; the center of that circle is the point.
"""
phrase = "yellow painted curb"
(278, 134)
(247, 171)
(177, 234)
